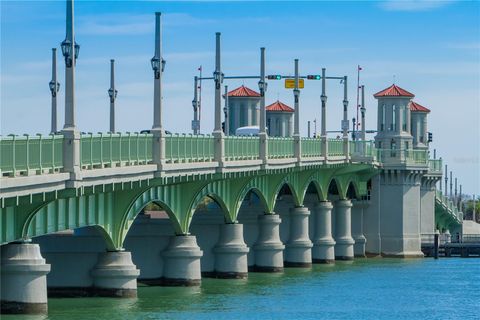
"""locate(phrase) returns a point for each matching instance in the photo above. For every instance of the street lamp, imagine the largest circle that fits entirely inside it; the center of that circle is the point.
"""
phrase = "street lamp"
(112, 93)
(158, 65)
(54, 90)
(67, 51)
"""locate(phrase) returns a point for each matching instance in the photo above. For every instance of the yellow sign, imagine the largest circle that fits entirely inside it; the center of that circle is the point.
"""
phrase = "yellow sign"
(290, 83)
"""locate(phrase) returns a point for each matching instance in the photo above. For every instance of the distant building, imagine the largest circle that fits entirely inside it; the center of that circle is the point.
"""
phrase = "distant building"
(419, 125)
(279, 119)
(243, 108)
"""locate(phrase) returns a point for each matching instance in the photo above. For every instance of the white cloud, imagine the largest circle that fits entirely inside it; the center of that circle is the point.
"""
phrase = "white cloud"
(413, 5)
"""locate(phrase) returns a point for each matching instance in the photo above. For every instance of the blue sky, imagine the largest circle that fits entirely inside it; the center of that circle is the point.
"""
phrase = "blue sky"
(431, 47)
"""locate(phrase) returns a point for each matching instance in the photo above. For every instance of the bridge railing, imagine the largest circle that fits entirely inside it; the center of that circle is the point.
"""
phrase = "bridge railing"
(311, 147)
(362, 148)
(279, 147)
(435, 165)
(115, 149)
(27, 154)
(407, 156)
(188, 148)
(335, 147)
(449, 204)
(242, 148)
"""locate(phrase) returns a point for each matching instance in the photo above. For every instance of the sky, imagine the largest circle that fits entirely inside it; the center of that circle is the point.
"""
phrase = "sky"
(430, 48)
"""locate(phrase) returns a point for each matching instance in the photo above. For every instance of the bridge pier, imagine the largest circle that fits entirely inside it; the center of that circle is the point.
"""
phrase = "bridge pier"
(323, 250)
(23, 279)
(115, 275)
(231, 252)
(343, 230)
(269, 248)
(182, 262)
(357, 228)
(298, 250)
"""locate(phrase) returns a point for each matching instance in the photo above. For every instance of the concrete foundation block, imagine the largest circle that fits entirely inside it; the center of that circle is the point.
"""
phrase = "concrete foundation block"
(298, 250)
(231, 253)
(268, 248)
(115, 275)
(323, 250)
(343, 230)
(23, 279)
(182, 262)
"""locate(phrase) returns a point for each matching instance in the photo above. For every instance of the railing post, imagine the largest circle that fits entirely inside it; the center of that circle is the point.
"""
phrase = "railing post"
(217, 132)
(296, 133)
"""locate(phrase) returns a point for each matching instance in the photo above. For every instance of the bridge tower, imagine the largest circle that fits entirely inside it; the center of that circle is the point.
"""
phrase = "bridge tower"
(397, 202)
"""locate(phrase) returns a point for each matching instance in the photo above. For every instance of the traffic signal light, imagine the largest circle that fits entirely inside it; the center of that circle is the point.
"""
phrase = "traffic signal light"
(314, 77)
(430, 137)
(274, 77)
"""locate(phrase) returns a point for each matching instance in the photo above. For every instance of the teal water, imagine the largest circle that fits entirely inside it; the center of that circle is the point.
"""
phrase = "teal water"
(365, 289)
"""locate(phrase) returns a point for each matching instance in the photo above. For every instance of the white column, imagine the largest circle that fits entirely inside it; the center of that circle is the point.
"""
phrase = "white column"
(296, 128)
(345, 118)
(54, 86)
(357, 228)
(182, 262)
(268, 248)
(298, 250)
(263, 115)
(323, 128)
(343, 230)
(23, 279)
(323, 244)
(231, 252)
(115, 275)
(113, 95)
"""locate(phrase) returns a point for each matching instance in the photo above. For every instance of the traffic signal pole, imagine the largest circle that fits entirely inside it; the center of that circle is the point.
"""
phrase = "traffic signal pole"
(296, 129)
(263, 115)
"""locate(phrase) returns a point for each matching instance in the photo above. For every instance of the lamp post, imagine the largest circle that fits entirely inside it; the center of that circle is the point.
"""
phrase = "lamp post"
(345, 118)
(296, 129)
(71, 141)
(362, 110)
(112, 93)
(323, 128)
(195, 122)
(226, 113)
(158, 66)
(54, 87)
(217, 131)
(262, 86)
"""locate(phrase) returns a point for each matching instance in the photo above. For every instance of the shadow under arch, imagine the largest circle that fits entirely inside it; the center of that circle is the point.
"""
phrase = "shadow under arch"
(245, 193)
(352, 191)
(199, 198)
(313, 187)
(282, 187)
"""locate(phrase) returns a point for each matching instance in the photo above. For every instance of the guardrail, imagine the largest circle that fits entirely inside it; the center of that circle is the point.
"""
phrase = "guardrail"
(408, 156)
(115, 149)
(311, 147)
(335, 147)
(242, 148)
(435, 165)
(25, 155)
(449, 205)
(279, 147)
(362, 148)
(189, 148)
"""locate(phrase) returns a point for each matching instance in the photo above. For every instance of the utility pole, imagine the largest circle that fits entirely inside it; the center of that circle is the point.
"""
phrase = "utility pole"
(54, 87)
(112, 93)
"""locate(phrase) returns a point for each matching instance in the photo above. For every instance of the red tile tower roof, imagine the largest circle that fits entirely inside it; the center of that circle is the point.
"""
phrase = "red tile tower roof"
(279, 107)
(243, 92)
(394, 91)
(415, 107)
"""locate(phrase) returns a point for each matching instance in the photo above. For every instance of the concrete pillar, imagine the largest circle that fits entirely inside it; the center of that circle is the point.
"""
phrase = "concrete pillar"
(357, 228)
(231, 252)
(269, 248)
(343, 232)
(115, 275)
(298, 251)
(23, 279)
(323, 250)
(182, 262)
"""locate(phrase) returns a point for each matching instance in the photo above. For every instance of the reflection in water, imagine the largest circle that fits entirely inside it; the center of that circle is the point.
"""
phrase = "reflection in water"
(365, 289)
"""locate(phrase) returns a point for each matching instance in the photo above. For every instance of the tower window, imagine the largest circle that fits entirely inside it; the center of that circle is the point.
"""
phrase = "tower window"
(393, 125)
(382, 125)
(404, 118)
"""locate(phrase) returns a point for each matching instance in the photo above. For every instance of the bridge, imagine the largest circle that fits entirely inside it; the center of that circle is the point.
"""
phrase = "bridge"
(226, 205)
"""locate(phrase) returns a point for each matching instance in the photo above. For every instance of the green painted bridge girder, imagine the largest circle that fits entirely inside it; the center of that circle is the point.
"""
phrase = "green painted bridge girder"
(113, 208)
